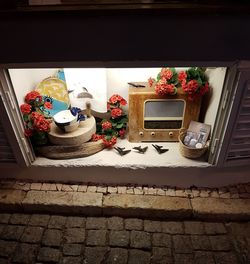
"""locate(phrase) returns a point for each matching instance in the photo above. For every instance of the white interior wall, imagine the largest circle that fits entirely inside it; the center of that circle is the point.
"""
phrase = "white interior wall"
(216, 78)
(25, 80)
(118, 78)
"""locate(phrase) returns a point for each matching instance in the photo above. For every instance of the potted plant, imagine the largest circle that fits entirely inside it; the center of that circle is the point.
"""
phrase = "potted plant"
(36, 118)
(194, 82)
(110, 129)
(166, 82)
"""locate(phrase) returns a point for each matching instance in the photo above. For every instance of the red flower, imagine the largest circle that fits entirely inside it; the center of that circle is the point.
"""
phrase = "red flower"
(106, 125)
(25, 108)
(36, 115)
(151, 81)
(42, 125)
(109, 143)
(96, 137)
(116, 112)
(182, 76)
(191, 87)
(122, 132)
(115, 98)
(166, 73)
(204, 89)
(48, 105)
(194, 82)
(39, 122)
(32, 96)
(28, 132)
(162, 88)
(123, 101)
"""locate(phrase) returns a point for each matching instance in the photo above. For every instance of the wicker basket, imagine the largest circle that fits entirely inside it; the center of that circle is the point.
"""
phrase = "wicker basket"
(191, 153)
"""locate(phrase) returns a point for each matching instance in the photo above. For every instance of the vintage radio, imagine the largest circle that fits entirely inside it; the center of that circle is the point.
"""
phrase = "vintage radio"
(159, 118)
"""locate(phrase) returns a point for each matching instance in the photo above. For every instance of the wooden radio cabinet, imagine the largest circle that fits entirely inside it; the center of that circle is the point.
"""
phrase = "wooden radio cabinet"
(159, 118)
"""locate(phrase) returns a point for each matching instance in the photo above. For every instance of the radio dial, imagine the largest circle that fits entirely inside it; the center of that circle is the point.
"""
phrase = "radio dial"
(171, 134)
(141, 133)
(152, 133)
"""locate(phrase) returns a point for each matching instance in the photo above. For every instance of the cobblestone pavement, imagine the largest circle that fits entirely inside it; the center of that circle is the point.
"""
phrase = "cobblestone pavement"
(91, 240)
(226, 192)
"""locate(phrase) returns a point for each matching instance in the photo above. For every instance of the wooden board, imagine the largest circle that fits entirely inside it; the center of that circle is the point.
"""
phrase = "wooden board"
(70, 152)
(83, 133)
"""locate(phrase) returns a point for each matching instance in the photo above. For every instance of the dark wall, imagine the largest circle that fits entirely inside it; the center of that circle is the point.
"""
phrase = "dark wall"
(42, 37)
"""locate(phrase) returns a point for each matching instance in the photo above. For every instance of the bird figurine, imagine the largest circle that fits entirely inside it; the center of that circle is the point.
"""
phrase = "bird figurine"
(160, 149)
(140, 149)
(122, 151)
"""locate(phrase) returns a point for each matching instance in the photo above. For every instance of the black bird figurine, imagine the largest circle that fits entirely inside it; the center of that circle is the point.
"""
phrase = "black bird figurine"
(160, 149)
(140, 149)
(122, 151)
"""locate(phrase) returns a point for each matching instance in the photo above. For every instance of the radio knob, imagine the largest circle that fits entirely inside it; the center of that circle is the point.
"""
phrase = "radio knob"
(141, 133)
(170, 134)
(152, 133)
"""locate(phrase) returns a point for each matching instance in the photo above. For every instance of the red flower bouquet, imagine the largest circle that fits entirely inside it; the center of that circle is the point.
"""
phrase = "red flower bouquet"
(166, 81)
(109, 130)
(193, 82)
(36, 118)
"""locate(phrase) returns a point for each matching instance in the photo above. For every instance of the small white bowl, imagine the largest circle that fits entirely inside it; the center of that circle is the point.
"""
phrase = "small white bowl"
(65, 119)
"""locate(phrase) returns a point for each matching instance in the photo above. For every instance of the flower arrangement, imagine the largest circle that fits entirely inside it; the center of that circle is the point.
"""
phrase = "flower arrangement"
(110, 130)
(36, 117)
(166, 82)
(193, 82)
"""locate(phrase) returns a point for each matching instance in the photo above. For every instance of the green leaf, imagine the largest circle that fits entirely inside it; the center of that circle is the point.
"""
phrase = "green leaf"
(29, 124)
(173, 70)
(124, 120)
(174, 80)
(25, 118)
(175, 91)
(158, 76)
(108, 137)
(108, 132)
(199, 81)
(119, 125)
(103, 120)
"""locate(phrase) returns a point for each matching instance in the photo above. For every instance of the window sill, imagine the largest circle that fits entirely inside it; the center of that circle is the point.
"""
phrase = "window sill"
(133, 160)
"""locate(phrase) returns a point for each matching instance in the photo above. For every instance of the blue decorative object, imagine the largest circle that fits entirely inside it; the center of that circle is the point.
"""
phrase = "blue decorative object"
(75, 111)
(55, 91)
(57, 105)
(61, 75)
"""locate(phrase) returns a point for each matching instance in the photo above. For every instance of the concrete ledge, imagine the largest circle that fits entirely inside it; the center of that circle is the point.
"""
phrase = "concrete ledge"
(11, 200)
(63, 202)
(126, 205)
(146, 206)
(218, 208)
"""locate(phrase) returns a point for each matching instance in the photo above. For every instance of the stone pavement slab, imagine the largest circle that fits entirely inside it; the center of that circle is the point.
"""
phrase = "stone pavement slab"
(58, 242)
